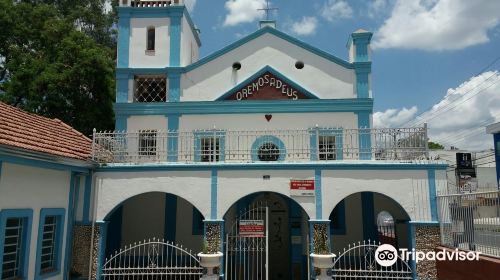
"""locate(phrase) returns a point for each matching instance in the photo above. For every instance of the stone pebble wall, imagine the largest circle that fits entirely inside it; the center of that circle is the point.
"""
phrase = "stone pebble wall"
(81, 251)
(427, 238)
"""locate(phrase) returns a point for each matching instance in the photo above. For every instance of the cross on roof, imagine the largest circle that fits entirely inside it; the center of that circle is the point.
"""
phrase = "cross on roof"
(267, 9)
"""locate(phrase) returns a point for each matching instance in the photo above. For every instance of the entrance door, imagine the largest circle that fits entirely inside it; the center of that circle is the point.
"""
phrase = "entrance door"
(247, 254)
(279, 235)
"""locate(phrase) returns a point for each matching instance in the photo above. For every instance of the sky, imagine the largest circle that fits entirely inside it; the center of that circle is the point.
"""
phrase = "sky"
(434, 61)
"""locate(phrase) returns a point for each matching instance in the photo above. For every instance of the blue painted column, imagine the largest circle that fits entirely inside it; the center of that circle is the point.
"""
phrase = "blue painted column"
(101, 255)
(174, 86)
(122, 89)
(121, 122)
(365, 140)
(175, 38)
(362, 70)
(86, 198)
(318, 194)
(173, 137)
(123, 38)
(431, 177)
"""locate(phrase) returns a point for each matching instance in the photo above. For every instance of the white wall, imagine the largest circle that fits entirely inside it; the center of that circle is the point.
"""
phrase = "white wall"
(136, 123)
(23, 187)
(189, 46)
(398, 184)
(282, 121)
(116, 187)
(320, 76)
(233, 185)
(138, 43)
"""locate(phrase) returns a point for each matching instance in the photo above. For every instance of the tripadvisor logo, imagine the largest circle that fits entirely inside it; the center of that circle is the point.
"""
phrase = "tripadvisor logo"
(386, 255)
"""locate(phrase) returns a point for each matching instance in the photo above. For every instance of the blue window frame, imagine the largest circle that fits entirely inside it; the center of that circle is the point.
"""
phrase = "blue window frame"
(49, 242)
(15, 237)
(268, 148)
(326, 143)
(209, 145)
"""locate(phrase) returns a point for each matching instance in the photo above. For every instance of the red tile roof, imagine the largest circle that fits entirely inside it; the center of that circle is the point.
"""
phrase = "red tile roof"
(32, 132)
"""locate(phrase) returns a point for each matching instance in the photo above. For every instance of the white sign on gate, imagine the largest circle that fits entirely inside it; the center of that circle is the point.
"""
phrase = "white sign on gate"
(252, 228)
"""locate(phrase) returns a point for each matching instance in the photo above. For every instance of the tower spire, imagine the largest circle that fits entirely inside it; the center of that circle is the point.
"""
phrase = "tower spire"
(268, 22)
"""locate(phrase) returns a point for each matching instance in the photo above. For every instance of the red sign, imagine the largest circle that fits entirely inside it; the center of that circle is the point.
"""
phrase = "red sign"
(252, 228)
(302, 187)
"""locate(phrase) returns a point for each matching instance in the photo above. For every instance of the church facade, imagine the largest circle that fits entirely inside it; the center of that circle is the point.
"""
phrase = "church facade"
(267, 122)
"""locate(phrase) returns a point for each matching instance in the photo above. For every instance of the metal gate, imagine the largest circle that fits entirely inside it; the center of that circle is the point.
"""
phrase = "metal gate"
(152, 259)
(247, 246)
(358, 262)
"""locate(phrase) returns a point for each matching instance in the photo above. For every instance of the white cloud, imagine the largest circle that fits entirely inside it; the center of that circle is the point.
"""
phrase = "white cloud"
(459, 119)
(190, 5)
(438, 24)
(394, 117)
(306, 26)
(336, 9)
(243, 11)
(377, 8)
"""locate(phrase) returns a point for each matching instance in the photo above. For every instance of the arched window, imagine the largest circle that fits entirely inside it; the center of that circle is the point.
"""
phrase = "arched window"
(268, 152)
(151, 39)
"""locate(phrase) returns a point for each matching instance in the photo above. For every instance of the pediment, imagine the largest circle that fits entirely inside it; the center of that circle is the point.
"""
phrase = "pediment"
(267, 84)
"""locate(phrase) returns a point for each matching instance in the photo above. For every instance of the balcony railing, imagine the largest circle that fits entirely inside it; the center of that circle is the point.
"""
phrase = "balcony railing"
(302, 145)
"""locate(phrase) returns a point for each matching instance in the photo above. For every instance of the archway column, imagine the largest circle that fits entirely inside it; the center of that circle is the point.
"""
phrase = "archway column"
(102, 230)
(319, 238)
(213, 238)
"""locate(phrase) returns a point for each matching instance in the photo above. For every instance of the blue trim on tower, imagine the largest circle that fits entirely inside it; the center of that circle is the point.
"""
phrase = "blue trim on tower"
(193, 27)
(174, 87)
(261, 72)
(173, 140)
(122, 80)
(268, 139)
(362, 70)
(248, 107)
(277, 33)
(59, 213)
(121, 123)
(213, 194)
(123, 39)
(431, 176)
(27, 215)
(318, 194)
(170, 217)
(175, 39)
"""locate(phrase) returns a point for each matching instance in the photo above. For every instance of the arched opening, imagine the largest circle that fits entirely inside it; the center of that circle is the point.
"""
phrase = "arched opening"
(154, 215)
(281, 244)
(367, 216)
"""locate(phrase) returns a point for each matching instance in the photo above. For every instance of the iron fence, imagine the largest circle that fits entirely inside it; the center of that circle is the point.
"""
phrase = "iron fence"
(321, 144)
(471, 221)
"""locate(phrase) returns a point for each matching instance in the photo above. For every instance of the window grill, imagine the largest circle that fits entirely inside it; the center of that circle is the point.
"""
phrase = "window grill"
(327, 148)
(210, 149)
(11, 263)
(147, 142)
(269, 152)
(150, 89)
(47, 262)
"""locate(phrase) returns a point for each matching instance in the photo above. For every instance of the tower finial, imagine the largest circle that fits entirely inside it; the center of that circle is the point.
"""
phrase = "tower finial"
(268, 21)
